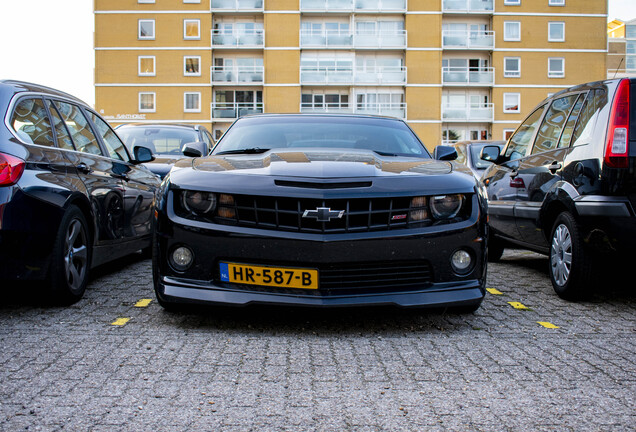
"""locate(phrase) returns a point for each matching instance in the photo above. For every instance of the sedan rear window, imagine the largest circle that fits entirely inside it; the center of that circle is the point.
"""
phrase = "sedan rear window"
(264, 133)
(160, 140)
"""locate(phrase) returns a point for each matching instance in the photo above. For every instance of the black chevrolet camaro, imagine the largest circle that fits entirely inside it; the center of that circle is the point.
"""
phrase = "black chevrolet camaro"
(320, 210)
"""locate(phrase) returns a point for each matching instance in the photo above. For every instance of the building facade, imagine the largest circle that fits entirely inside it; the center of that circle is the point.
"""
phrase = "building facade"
(453, 69)
(621, 55)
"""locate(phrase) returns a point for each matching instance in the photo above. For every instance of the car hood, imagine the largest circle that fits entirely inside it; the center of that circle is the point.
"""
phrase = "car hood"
(276, 172)
(162, 164)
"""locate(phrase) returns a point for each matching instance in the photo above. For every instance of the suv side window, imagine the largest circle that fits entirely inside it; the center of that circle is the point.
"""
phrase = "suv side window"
(115, 147)
(63, 138)
(522, 138)
(596, 100)
(81, 133)
(552, 125)
(566, 136)
(30, 122)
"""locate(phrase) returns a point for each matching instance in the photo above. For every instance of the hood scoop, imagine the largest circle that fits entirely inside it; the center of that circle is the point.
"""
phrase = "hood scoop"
(323, 185)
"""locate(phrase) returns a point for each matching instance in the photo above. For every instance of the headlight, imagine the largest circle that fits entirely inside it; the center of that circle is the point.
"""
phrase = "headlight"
(446, 206)
(198, 202)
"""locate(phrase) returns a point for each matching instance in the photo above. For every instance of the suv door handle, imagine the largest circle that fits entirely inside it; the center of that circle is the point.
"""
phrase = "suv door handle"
(554, 167)
(120, 176)
(83, 168)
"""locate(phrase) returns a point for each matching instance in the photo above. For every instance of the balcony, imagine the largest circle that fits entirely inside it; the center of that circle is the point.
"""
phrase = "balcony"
(461, 76)
(468, 6)
(238, 39)
(467, 39)
(340, 6)
(333, 75)
(236, 5)
(232, 110)
(395, 39)
(468, 113)
(237, 75)
(386, 109)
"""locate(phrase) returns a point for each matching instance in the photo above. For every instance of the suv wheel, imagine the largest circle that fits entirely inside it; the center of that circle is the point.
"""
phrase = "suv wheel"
(570, 263)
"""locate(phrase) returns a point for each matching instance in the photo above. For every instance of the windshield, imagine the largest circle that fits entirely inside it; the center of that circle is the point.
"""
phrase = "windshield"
(384, 136)
(158, 139)
(475, 151)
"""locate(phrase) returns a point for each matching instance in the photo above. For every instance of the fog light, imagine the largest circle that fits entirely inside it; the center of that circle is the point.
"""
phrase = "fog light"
(461, 261)
(181, 258)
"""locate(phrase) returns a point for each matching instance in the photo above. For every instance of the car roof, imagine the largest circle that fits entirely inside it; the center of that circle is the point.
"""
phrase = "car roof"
(320, 115)
(162, 125)
(23, 86)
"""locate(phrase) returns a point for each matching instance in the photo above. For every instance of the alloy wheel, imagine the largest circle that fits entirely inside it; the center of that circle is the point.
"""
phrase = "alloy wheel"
(76, 256)
(561, 254)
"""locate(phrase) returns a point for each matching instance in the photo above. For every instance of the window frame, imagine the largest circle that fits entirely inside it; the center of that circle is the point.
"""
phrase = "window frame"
(507, 38)
(185, 102)
(518, 96)
(154, 102)
(556, 2)
(145, 1)
(507, 74)
(185, 27)
(185, 59)
(512, 2)
(554, 23)
(552, 74)
(154, 29)
(154, 66)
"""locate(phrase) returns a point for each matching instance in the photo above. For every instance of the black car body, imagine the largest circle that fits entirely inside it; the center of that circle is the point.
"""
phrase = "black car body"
(165, 141)
(469, 153)
(71, 196)
(320, 211)
(565, 185)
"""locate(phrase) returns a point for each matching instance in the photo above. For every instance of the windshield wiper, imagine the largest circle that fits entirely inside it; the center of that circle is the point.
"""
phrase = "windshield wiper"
(385, 153)
(253, 150)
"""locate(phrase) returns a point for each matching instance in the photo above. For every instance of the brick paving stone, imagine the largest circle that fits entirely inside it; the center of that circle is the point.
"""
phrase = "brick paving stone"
(277, 369)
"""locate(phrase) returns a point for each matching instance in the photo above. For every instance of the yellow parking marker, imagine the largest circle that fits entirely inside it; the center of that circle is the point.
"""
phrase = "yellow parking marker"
(518, 305)
(120, 322)
(547, 324)
(143, 303)
(494, 291)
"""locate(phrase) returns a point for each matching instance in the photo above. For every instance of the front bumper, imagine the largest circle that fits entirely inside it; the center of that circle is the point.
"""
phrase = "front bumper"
(211, 244)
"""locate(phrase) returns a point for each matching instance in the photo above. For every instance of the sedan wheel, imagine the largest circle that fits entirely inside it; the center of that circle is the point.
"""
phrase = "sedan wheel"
(76, 256)
(571, 266)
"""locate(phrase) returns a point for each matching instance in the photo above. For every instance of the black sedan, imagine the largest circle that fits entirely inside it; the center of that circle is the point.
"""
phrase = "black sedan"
(71, 196)
(332, 210)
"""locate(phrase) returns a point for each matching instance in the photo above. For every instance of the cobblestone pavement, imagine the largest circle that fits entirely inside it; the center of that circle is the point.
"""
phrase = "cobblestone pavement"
(284, 369)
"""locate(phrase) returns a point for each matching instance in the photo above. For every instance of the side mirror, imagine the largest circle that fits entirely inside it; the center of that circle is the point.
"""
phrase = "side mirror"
(489, 154)
(445, 153)
(143, 154)
(194, 149)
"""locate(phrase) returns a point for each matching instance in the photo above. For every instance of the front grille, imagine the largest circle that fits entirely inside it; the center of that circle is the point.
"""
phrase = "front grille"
(359, 278)
(286, 214)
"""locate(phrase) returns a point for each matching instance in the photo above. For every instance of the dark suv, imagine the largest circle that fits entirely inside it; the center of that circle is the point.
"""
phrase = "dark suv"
(565, 184)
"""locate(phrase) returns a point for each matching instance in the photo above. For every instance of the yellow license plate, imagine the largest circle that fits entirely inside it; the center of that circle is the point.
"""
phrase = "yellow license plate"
(280, 277)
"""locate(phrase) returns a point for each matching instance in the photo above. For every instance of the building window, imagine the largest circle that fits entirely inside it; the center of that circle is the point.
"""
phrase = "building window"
(556, 32)
(512, 30)
(556, 67)
(512, 102)
(192, 102)
(146, 29)
(512, 2)
(630, 32)
(191, 29)
(145, 1)
(146, 65)
(512, 67)
(147, 102)
(192, 66)
(556, 2)
(507, 133)
(192, 1)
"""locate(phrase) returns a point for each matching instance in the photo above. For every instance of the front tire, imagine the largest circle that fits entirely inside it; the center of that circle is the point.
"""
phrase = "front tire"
(72, 253)
(571, 266)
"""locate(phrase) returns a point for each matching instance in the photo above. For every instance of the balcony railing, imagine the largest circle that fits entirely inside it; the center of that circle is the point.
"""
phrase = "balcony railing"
(238, 39)
(234, 110)
(347, 75)
(386, 109)
(236, 5)
(468, 76)
(352, 6)
(468, 39)
(339, 39)
(468, 113)
(468, 6)
(237, 74)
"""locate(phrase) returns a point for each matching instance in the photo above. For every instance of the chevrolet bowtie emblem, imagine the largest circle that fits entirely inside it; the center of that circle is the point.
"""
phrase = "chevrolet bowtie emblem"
(323, 214)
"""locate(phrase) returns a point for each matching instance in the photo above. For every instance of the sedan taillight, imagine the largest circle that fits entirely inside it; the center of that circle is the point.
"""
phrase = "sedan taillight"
(11, 169)
(617, 147)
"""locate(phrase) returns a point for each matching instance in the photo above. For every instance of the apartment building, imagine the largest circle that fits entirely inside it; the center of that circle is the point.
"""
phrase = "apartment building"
(621, 55)
(453, 69)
